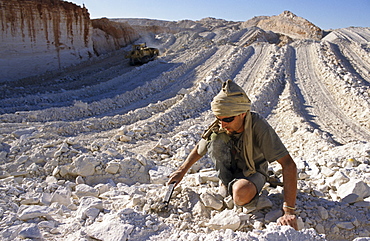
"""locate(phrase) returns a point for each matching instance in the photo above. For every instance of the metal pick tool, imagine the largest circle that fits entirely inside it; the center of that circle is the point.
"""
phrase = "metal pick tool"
(167, 198)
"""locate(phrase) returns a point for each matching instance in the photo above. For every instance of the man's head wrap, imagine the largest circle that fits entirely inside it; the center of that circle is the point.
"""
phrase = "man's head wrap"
(233, 101)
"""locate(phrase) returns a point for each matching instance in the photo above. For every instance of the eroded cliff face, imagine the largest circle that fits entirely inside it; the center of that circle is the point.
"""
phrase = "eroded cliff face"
(42, 35)
(109, 36)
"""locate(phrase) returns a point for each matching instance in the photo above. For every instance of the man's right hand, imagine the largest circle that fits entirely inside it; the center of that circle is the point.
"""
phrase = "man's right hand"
(176, 177)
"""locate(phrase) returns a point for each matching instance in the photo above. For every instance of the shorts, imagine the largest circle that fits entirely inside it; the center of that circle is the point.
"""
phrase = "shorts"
(258, 179)
(220, 150)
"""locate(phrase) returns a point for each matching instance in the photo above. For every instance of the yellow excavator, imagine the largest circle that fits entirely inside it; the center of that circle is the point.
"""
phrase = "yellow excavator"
(141, 54)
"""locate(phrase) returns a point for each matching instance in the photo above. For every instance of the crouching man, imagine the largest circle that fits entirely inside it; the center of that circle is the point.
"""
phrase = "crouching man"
(241, 144)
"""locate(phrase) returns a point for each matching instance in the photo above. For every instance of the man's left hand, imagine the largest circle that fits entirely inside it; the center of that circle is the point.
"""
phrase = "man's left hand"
(288, 219)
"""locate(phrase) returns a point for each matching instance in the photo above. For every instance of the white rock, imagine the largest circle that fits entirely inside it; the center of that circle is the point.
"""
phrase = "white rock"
(142, 160)
(51, 179)
(80, 180)
(323, 213)
(83, 190)
(62, 196)
(345, 225)
(133, 171)
(137, 200)
(21, 132)
(124, 138)
(112, 152)
(34, 211)
(92, 213)
(103, 188)
(111, 228)
(30, 200)
(300, 223)
(210, 200)
(353, 191)
(183, 91)
(263, 202)
(338, 179)
(244, 216)
(45, 199)
(30, 231)
(327, 171)
(362, 239)
(85, 165)
(112, 167)
(248, 209)
(320, 228)
(208, 175)
(46, 224)
(258, 225)
(20, 160)
(64, 148)
(160, 174)
(227, 219)
(163, 142)
(56, 171)
(200, 210)
(193, 179)
(229, 202)
(87, 203)
(273, 215)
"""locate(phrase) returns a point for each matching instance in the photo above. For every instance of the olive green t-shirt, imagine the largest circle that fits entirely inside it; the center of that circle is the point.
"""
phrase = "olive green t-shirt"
(267, 146)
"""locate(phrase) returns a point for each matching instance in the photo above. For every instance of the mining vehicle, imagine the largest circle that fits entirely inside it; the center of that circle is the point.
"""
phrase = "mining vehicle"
(141, 54)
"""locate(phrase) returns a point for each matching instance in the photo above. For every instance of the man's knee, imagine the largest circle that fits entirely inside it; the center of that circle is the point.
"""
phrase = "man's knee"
(243, 192)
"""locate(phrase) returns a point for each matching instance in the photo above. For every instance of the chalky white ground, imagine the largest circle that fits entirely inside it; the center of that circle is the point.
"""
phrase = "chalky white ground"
(84, 154)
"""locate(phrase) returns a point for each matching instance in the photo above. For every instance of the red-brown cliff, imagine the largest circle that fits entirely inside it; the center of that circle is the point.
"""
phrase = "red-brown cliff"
(109, 35)
(42, 35)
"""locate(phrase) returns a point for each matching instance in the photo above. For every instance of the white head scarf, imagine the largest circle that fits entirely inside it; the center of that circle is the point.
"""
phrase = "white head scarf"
(233, 101)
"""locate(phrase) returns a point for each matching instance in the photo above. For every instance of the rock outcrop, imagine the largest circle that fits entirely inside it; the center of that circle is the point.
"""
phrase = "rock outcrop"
(42, 35)
(109, 36)
(287, 24)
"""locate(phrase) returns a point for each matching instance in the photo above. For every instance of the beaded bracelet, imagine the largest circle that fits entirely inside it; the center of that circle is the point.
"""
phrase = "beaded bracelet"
(288, 207)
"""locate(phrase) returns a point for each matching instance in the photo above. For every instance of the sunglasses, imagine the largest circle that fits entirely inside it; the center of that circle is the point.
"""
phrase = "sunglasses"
(227, 119)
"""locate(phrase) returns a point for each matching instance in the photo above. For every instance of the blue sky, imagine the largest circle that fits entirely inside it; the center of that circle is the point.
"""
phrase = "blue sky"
(326, 14)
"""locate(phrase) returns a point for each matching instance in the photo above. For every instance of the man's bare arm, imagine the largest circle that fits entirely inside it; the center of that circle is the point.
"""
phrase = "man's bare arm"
(290, 191)
(182, 170)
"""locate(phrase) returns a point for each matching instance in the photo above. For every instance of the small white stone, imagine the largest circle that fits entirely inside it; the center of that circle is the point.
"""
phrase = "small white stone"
(323, 213)
(327, 171)
(125, 138)
(83, 190)
(112, 167)
(320, 228)
(273, 215)
(345, 225)
(353, 191)
(80, 180)
(112, 152)
(227, 219)
(263, 202)
(62, 196)
(300, 223)
(258, 225)
(211, 201)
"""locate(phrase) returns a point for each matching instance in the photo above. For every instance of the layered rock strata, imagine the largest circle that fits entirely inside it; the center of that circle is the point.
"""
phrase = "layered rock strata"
(42, 35)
